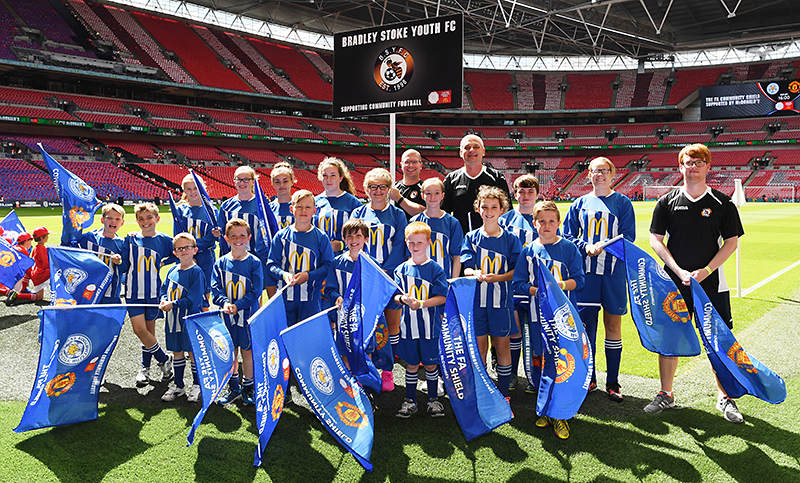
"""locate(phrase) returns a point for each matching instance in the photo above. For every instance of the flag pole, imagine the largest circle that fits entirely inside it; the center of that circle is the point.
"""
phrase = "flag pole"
(739, 199)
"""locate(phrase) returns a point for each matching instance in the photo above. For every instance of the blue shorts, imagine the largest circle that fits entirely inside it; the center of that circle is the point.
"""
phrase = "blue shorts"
(494, 322)
(150, 313)
(416, 351)
(297, 311)
(240, 337)
(610, 292)
(178, 341)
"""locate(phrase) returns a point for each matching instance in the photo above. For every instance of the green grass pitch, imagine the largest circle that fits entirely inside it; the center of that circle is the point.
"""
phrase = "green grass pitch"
(137, 437)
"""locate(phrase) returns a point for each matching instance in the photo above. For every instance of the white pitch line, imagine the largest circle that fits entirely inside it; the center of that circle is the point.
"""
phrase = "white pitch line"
(767, 280)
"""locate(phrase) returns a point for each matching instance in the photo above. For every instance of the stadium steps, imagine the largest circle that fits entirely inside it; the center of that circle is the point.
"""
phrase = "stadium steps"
(171, 185)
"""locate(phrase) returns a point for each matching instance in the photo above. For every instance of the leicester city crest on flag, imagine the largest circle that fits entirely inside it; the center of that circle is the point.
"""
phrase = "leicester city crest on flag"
(77, 277)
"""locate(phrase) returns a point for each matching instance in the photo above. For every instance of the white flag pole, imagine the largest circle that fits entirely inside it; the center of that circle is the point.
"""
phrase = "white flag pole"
(392, 141)
(739, 200)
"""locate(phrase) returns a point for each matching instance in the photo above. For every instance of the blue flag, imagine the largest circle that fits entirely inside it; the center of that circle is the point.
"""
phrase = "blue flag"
(657, 307)
(13, 264)
(267, 223)
(76, 345)
(213, 352)
(477, 403)
(77, 198)
(738, 372)
(332, 392)
(12, 227)
(270, 368)
(568, 362)
(368, 292)
(178, 219)
(207, 206)
(77, 277)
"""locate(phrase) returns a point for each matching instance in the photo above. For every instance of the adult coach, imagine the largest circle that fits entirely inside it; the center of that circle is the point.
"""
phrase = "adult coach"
(407, 194)
(461, 186)
(696, 218)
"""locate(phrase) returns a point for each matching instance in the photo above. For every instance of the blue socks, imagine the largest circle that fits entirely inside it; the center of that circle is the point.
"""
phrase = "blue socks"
(432, 377)
(411, 385)
(516, 349)
(247, 383)
(613, 357)
(233, 384)
(154, 351)
(179, 366)
(589, 317)
(147, 357)
(503, 379)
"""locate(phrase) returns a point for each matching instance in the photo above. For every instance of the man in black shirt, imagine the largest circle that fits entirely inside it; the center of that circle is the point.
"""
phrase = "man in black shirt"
(461, 186)
(703, 228)
(407, 194)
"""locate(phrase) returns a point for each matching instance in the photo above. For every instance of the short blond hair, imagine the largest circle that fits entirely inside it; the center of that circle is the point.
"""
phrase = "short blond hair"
(545, 206)
(301, 195)
(377, 174)
(148, 207)
(190, 179)
(431, 181)
(250, 171)
(184, 236)
(491, 193)
(282, 168)
(234, 223)
(607, 162)
(113, 207)
(418, 228)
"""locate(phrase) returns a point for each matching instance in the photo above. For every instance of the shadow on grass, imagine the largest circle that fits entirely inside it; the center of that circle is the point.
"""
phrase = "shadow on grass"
(9, 321)
(216, 457)
(72, 452)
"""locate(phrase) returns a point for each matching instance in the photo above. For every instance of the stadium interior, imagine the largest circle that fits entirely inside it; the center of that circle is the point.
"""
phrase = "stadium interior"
(129, 100)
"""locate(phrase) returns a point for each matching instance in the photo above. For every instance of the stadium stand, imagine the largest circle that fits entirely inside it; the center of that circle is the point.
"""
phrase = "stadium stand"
(580, 85)
(489, 90)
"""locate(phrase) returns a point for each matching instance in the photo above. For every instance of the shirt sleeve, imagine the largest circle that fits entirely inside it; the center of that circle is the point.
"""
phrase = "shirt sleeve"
(572, 226)
(331, 288)
(731, 223)
(397, 255)
(516, 249)
(217, 293)
(222, 220)
(316, 276)
(658, 225)
(575, 266)
(521, 283)
(467, 253)
(274, 267)
(627, 219)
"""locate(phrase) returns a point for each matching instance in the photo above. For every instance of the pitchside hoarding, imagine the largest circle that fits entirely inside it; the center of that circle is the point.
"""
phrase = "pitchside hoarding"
(750, 100)
(402, 67)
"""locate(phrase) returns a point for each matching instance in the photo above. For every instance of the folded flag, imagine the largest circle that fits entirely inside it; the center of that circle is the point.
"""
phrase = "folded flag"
(12, 227)
(270, 368)
(738, 372)
(657, 307)
(477, 403)
(77, 198)
(213, 353)
(332, 392)
(76, 345)
(568, 363)
(207, 206)
(77, 277)
(267, 224)
(13, 264)
(180, 221)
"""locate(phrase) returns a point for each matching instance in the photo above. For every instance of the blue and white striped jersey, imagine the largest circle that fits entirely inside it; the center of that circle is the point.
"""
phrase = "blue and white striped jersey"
(562, 258)
(339, 273)
(421, 282)
(185, 289)
(387, 227)
(248, 211)
(238, 282)
(300, 251)
(333, 212)
(106, 248)
(283, 213)
(142, 259)
(200, 228)
(520, 224)
(446, 239)
(490, 254)
(593, 219)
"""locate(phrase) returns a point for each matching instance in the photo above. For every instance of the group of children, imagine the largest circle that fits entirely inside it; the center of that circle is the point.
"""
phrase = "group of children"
(313, 255)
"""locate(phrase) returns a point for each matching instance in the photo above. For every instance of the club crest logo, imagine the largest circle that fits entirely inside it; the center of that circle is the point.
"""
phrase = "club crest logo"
(72, 278)
(675, 307)
(393, 68)
(60, 384)
(273, 359)
(351, 415)
(706, 212)
(772, 88)
(585, 340)
(347, 388)
(277, 403)
(6, 258)
(565, 324)
(564, 366)
(662, 273)
(381, 336)
(739, 356)
(75, 350)
(81, 189)
(321, 376)
(794, 87)
(220, 345)
(78, 216)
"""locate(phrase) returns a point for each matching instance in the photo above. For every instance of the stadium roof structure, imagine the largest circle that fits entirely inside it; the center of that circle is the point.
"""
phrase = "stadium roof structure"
(651, 31)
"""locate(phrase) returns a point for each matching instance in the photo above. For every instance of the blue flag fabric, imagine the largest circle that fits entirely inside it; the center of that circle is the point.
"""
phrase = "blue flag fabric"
(266, 218)
(76, 345)
(183, 224)
(77, 277)
(270, 368)
(738, 372)
(477, 403)
(77, 198)
(657, 307)
(207, 206)
(12, 227)
(568, 363)
(368, 292)
(13, 264)
(213, 352)
(332, 392)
